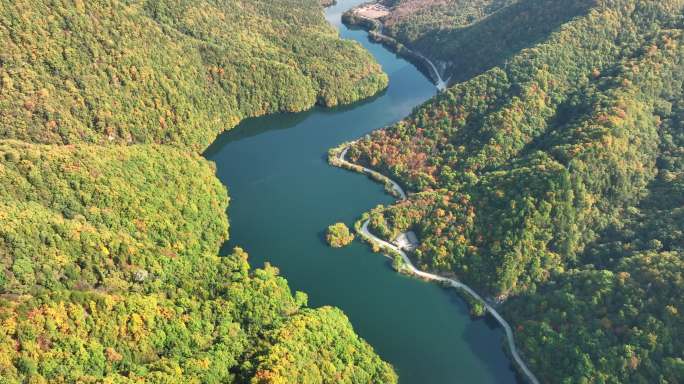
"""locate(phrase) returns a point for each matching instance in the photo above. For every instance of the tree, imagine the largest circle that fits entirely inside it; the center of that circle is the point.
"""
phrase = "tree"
(338, 235)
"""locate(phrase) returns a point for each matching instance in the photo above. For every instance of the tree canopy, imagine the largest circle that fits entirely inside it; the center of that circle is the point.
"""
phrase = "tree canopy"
(338, 235)
(173, 71)
(111, 222)
(552, 178)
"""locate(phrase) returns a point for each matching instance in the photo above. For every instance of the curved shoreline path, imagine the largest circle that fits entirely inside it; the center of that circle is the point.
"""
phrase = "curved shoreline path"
(364, 232)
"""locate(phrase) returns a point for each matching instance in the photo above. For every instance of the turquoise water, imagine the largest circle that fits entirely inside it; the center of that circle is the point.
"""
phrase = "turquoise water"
(284, 195)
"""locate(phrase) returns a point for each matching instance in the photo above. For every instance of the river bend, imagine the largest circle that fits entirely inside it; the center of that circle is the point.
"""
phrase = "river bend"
(283, 196)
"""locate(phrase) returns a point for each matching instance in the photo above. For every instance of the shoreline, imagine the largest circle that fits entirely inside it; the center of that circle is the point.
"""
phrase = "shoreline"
(374, 29)
(337, 158)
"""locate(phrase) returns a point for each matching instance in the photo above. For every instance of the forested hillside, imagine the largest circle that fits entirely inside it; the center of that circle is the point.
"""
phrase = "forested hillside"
(172, 71)
(91, 217)
(109, 240)
(108, 273)
(616, 317)
(555, 178)
(467, 37)
(410, 20)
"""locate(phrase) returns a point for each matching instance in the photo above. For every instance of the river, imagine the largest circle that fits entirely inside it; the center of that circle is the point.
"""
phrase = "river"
(283, 197)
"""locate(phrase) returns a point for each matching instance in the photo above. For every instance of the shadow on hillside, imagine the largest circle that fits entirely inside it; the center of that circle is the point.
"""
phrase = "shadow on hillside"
(495, 39)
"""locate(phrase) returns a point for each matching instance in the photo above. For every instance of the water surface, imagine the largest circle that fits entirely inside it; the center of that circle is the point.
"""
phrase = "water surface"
(284, 195)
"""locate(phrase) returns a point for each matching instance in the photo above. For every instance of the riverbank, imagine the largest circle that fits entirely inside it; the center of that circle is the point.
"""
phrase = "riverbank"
(405, 265)
(375, 32)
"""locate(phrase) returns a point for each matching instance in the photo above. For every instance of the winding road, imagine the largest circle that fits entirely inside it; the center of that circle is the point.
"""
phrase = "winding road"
(439, 82)
(364, 232)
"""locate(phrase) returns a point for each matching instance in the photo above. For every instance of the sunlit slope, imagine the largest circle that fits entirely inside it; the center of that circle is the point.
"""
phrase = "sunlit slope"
(557, 176)
(109, 274)
(174, 72)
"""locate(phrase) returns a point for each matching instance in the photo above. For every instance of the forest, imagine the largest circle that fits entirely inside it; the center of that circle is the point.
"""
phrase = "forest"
(172, 72)
(552, 182)
(410, 21)
(467, 37)
(110, 219)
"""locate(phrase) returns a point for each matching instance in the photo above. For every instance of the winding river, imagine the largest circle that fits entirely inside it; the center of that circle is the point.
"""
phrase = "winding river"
(284, 195)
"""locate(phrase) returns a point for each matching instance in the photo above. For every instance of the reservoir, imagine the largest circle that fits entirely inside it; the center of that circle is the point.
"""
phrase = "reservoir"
(284, 195)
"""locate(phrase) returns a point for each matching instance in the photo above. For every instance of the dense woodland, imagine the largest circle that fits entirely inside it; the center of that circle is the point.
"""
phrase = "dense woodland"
(109, 265)
(553, 177)
(173, 71)
(467, 37)
(411, 20)
(556, 180)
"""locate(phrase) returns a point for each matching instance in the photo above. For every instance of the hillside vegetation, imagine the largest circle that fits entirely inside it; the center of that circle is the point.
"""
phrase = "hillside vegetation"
(109, 239)
(92, 217)
(467, 37)
(109, 274)
(173, 71)
(412, 20)
(556, 177)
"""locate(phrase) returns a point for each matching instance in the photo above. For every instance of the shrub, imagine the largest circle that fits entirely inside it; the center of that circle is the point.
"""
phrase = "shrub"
(339, 235)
